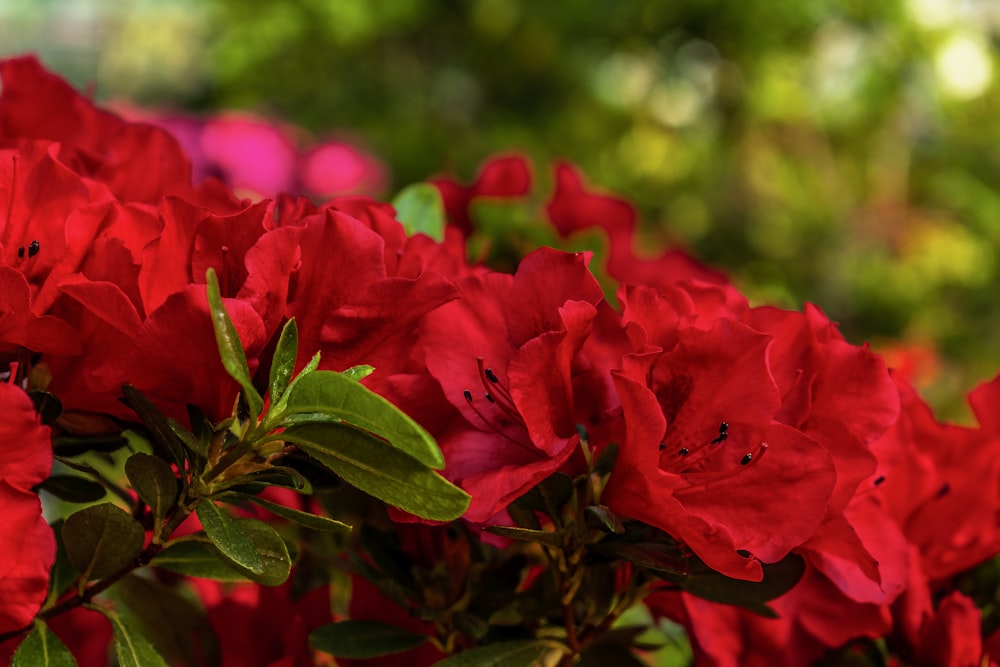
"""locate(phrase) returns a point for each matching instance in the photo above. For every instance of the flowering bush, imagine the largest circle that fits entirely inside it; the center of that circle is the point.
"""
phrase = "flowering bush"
(288, 433)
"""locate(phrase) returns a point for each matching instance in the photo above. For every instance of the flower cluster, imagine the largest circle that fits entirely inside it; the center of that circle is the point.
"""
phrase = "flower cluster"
(628, 429)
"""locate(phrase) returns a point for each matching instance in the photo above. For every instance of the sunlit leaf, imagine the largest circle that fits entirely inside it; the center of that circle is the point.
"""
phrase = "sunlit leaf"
(380, 470)
(330, 393)
(227, 535)
(420, 209)
(41, 648)
(234, 359)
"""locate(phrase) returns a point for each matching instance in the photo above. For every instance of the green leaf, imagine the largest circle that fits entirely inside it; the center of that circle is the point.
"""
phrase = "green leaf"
(345, 400)
(154, 482)
(381, 471)
(197, 559)
(357, 373)
(202, 559)
(602, 518)
(255, 482)
(163, 436)
(194, 444)
(420, 209)
(101, 540)
(41, 648)
(306, 519)
(527, 535)
(651, 555)
(549, 495)
(174, 624)
(524, 653)
(283, 361)
(606, 459)
(132, 649)
(779, 578)
(48, 406)
(227, 535)
(62, 573)
(73, 489)
(234, 359)
(363, 639)
(74, 445)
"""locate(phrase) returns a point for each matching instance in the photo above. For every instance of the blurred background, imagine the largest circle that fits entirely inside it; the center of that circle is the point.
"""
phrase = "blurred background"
(842, 152)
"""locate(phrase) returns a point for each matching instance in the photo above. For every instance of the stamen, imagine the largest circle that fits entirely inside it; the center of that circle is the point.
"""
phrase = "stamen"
(33, 248)
(20, 251)
(879, 480)
(944, 490)
(496, 392)
(723, 434)
(468, 395)
(684, 451)
(491, 376)
(746, 459)
(490, 398)
(493, 427)
(663, 446)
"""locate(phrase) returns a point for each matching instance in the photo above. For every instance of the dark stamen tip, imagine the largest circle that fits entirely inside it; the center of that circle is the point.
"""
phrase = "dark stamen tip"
(746, 459)
(879, 480)
(723, 427)
(684, 451)
(33, 248)
(663, 446)
(468, 395)
(20, 251)
(944, 490)
(490, 398)
(491, 376)
(743, 552)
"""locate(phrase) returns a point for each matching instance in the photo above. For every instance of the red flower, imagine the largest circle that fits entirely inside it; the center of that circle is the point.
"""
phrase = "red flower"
(501, 176)
(508, 357)
(573, 208)
(29, 546)
(941, 482)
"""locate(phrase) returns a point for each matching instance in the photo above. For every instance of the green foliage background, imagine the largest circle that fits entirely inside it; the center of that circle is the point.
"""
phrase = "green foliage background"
(834, 151)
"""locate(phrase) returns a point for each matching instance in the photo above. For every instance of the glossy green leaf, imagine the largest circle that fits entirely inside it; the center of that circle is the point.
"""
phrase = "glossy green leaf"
(154, 482)
(283, 361)
(163, 437)
(526, 653)
(41, 648)
(174, 624)
(381, 471)
(227, 535)
(357, 373)
(234, 359)
(420, 208)
(255, 482)
(131, 647)
(306, 519)
(202, 559)
(197, 559)
(102, 539)
(363, 639)
(345, 400)
(73, 489)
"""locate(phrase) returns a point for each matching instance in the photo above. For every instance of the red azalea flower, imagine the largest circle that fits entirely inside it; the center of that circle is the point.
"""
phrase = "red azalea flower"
(508, 356)
(262, 625)
(704, 456)
(137, 162)
(941, 482)
(500, 176)
(29, 546)
(573, 208)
